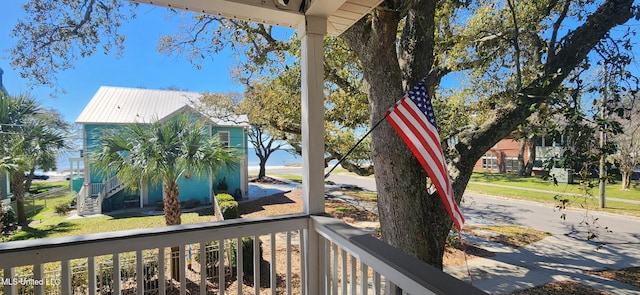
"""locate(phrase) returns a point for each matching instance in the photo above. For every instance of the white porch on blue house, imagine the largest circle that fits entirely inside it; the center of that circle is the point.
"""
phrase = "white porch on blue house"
(112, 108)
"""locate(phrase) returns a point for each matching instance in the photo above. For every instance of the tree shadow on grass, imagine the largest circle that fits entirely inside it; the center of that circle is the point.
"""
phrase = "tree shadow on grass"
(27, 232)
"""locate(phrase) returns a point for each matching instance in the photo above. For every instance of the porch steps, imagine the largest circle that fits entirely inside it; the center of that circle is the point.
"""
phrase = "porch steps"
(91, 206)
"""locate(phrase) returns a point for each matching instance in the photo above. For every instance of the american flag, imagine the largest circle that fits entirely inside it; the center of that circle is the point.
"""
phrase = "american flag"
(413, 118)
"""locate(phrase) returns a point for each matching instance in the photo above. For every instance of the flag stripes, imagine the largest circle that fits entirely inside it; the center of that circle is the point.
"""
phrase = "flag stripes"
(412, 117)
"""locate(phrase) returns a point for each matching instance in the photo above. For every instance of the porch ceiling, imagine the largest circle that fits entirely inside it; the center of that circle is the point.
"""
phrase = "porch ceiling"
(341, 14)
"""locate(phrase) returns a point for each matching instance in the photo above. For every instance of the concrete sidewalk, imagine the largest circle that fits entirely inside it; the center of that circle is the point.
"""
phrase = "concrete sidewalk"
(548, 260)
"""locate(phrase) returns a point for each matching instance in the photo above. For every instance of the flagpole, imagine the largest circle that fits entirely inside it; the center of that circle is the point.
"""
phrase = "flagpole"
(357, 143)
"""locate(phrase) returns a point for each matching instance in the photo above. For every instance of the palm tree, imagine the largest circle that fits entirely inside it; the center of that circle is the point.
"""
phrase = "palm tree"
(33, 135)
(38, 144)
(161, 152)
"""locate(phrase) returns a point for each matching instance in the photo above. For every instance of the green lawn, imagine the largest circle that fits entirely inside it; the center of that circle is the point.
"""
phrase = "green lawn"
(38, 208)
(55, 226)
(563, 191)
(45, 223)
(579, 187)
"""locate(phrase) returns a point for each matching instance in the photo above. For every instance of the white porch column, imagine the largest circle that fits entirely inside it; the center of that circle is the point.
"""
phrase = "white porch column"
(311, 36)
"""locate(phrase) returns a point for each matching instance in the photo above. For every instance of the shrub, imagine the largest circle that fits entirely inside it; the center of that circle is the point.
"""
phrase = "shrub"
(229, 209)
(224, 198)
(247, 255)
(9, 221)
(62, 208)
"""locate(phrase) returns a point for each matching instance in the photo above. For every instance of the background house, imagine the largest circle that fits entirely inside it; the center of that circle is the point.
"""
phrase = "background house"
(5, 186)
(503, 156)
(114, 107)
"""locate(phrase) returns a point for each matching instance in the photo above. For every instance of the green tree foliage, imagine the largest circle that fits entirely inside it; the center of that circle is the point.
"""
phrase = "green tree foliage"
(232, 107)
(57, 33)
(33, 135)
(161, 152)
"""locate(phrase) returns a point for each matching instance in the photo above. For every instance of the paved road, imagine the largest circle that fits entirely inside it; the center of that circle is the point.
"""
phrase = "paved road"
(566, 254)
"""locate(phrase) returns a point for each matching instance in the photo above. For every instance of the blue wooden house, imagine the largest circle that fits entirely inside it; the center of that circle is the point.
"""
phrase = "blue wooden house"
(113, 107)
(5, 185)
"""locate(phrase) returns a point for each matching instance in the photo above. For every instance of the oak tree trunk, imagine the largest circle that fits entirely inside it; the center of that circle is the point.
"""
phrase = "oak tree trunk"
(531, 142)
(410, 218)
(521, 163)
(263, 165)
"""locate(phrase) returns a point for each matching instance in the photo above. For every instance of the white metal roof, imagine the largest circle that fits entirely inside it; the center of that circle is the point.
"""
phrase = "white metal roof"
(119, 105)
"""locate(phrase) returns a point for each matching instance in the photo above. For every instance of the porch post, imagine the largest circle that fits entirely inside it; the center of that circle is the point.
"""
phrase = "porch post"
(311, 34)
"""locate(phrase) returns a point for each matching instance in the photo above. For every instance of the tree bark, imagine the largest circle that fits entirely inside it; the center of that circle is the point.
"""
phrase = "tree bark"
(17, 188)
(521, 169)
(531, 161)
(410, 218)
(172, 216)
(172, 209)
(626, 181)
(263, 169)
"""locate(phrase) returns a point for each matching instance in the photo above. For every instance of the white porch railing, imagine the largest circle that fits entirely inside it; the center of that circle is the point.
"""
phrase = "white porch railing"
(302, 255)
(110, 187)
(80, 198)
(96, 188)
(91, 195)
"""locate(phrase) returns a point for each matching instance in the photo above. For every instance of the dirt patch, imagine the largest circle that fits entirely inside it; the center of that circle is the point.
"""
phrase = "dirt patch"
(509, 235)
(629, 275)
(347, 212)
(455, 256)
(566, 287)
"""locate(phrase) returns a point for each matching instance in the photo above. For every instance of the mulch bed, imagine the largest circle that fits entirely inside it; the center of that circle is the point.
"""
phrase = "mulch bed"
(266, 180)
(561, 288)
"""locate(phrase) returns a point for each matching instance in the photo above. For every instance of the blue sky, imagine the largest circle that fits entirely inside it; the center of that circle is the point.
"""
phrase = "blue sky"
(139, 66)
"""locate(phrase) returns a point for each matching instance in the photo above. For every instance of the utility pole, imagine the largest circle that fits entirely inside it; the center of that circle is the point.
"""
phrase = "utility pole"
(603, 138)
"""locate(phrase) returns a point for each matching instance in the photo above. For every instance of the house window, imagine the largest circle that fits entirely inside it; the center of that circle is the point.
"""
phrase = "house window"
(512, 164)
(490, 162)
(225, 138)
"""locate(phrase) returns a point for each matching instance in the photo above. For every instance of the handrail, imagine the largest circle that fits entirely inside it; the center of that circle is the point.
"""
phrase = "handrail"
(49, 192)
(216, 209)
(29, 252)
(80, 198)
(410, 274)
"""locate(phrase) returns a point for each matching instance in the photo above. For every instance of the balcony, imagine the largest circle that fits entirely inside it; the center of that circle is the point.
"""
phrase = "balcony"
(297, 254)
